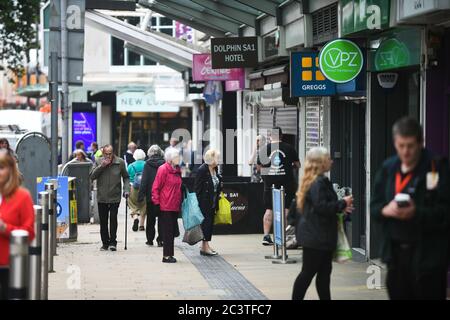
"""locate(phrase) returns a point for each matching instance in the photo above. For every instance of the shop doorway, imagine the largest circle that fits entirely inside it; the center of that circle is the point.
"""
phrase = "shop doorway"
(386, 107)
(348, 142)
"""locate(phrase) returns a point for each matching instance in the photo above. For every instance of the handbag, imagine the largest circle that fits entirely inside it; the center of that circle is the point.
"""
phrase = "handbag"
(190, 210)
(223, 214)
(343, 251)
(193, 236)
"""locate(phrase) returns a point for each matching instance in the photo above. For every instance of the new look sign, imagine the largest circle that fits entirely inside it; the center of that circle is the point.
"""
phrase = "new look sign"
(228, 53)
(341, 60)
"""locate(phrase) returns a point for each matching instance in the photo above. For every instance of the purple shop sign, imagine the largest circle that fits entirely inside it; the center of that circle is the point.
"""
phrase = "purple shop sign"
(202, 70)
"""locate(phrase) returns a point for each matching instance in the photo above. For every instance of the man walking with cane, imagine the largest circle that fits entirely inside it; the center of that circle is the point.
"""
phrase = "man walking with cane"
(109, 170)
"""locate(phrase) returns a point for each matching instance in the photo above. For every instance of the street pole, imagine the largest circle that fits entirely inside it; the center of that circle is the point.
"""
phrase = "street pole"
(54, 112)
(35, 251)
(44, 203)
(64, 83)
(18, 264)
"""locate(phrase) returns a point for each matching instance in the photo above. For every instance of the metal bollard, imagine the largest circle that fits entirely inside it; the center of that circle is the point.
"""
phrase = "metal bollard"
(55, 215)
(276, 254)
(44, 201)
(35, 251)
(50, 188)
(19, 264)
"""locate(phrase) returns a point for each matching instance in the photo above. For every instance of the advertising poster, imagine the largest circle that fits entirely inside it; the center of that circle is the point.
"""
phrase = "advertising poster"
(62, 208)
(84, 128)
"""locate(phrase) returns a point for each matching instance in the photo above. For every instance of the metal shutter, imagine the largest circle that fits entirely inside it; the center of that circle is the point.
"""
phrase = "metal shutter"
(325, 24)
(265, 120)
(287, 120)
(313, 126)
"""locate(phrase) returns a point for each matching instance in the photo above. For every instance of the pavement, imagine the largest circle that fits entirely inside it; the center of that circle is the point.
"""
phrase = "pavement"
(241, 272)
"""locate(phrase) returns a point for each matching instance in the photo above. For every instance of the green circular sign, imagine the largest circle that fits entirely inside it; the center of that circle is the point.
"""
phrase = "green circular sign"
(341, 60)
(392, 54)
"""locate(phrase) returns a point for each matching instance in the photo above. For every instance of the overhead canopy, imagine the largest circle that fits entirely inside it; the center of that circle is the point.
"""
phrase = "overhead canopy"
(167, 50)
(216, 18)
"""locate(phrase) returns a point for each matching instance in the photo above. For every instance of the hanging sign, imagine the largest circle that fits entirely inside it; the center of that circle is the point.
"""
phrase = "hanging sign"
(227, 53)
(341, 60)
(202, 70)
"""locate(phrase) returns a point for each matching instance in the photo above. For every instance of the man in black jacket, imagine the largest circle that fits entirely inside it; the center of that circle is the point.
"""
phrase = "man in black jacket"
(156, 159)
(414, 224)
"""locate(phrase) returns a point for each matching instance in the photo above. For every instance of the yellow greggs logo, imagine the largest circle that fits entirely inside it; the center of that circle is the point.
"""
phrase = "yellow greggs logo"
(307, 70)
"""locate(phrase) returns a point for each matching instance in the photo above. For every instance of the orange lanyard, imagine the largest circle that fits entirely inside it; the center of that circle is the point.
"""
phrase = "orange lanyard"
(400, 183)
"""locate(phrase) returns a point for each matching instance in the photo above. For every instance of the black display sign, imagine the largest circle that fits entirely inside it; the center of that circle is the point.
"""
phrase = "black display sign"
(229, 53)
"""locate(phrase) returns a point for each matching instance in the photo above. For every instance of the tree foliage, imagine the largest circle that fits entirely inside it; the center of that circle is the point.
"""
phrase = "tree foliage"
(17, 32)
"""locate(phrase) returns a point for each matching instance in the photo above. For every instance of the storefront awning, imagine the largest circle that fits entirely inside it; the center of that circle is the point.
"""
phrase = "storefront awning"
(166, 50)
(216, 18)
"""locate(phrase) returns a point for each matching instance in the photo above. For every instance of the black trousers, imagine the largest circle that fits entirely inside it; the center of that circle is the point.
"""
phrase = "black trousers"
(404, 284)
(208, 224)
(4, 283)
(314, 262)
(152, 214)
(108, 211)
(169, 224)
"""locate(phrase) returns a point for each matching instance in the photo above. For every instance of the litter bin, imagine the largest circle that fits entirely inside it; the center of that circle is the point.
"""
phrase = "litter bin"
(81, 171)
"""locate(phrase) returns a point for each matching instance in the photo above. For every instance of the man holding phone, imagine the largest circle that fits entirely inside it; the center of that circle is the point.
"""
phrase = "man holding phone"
(411, 200)
(109, 172)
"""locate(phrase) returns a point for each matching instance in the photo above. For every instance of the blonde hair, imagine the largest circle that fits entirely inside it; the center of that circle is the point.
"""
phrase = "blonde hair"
(14, 180)
(314, 166)
(211, 156)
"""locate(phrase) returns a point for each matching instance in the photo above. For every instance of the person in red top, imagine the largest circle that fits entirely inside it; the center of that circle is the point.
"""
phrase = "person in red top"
(16, 212)
(166, 193)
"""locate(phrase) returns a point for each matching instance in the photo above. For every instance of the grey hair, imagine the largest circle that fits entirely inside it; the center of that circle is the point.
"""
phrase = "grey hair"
(155, 150)
(139, 154)
(211, 156)
(171, 153)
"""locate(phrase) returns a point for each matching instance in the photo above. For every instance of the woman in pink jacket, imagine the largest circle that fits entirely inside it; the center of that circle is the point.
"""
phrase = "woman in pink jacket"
(166, 193)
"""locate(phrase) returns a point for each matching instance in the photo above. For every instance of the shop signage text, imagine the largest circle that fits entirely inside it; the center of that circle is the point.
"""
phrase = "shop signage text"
(230, 53)
(359, 15)
(392, 54)
(306, 77)
(202, 70)
(341, 60)
(142, 102)
(413, 8)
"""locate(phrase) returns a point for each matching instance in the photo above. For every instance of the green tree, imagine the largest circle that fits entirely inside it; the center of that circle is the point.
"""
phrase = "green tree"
(18, 19)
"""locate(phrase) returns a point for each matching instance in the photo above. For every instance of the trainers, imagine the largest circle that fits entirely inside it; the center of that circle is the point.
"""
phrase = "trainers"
(141, 228)
(113, 248)
(104, 248)
(267, 241)
(149, 243)
(169, 260)
(135, 225)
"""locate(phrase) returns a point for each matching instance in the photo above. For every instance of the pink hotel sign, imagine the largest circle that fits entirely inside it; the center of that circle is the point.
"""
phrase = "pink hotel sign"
(202, 70)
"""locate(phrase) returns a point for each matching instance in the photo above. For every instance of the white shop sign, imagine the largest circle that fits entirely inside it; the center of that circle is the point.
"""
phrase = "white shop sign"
(142, 102)
(413, 8)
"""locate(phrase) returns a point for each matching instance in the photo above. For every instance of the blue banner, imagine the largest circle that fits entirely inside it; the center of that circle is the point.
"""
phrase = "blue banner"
(306, 78)
(62, 206)
(277, 211)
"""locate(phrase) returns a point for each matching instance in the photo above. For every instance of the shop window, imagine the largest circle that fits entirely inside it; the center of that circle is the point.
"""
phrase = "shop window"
(121, 56)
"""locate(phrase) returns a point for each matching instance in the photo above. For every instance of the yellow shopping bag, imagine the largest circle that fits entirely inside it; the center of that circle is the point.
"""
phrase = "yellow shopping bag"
(223, 214)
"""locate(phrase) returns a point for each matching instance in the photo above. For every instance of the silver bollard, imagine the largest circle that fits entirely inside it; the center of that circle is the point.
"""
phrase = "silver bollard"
(276, 254)
(284, 256)
(44, 201)
(50, 188)
(35, 251)
(55, 215)
(18, 264)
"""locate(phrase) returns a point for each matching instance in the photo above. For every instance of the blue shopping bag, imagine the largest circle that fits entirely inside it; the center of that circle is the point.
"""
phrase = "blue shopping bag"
(190, 211)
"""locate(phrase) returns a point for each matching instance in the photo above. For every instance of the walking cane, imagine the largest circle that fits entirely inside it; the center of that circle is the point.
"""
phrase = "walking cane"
(126, 219)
